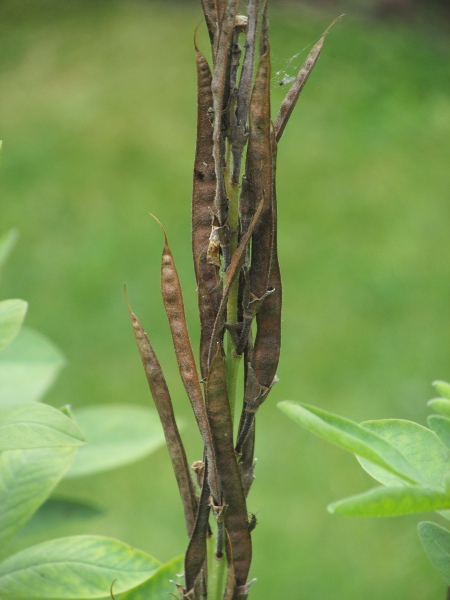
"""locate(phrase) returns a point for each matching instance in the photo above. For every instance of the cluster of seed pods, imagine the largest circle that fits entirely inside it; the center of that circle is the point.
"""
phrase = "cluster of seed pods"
(234, 245)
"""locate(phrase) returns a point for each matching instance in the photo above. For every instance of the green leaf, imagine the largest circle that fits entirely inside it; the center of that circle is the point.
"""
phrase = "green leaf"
(12, 314)
(159, 585)
(443, 388)
(27, 478)
(441, 427)
(436, 543)
(7, 243)
(33, 425)
(391, 501)
(28, 368)
(420, 447)
(81, 566)
(116, 435)
(350, 436)
(59, 511)
(440, 405)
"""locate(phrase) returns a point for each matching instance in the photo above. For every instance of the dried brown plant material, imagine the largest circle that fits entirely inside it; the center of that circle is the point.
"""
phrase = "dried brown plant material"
(206, 265)
(264, 37)
(233, 496)
(163, 403)
(288, 104)
(266, 352)
(239, 130)
(220, 82)
(210, 11)
(259, 150)
(174, 306)
(196, 551)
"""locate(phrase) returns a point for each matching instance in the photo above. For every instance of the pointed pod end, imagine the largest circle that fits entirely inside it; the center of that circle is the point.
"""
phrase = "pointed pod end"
(195, 36)
(160, 224)
(126, 297)
(337, 19)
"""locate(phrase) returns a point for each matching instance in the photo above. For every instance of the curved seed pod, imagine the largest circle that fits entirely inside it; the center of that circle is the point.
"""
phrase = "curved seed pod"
(231, 274)
(233, 497)
(204, 187)
(196, 550)
(288, 104)
(264, 37)
(230, 586)
(174, 306)
(260, 156)
(239, 130)
(163, 403)
(266, 352)
(210, 11)
(261, 373)
(219, 85)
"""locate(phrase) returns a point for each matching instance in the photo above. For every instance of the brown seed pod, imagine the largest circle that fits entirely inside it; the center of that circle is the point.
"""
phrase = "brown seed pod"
(220, 83)
(163, 403)
(288, 104)
(266, 352)
(174, 306)
(239, 130)
(196, 550)
(210, 11)
(204, 189)
(233, 497)
(264, 37)
(260, 159)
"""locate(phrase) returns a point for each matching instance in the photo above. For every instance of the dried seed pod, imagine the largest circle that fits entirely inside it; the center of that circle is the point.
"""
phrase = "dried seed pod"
(264, 37)
(230, 586)
(239, 130)
(260, 158)
(196, 550)
(204, 189)
(220, 82)
(163, 403)
(174, 306)
(210, 11)
(266, 352)
(288, 104)
(219, 415)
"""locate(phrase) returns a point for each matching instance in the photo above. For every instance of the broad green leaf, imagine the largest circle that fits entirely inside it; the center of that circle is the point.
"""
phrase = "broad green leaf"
(443, 388)
(391, 501)
(12, 314)
(58, 511)
(160, 585)
(421, 448)
(27, 478)
(81, 566)
(35, 425)
(115, 435)
(7, 242)
(28, 368)
(441, 427)
(440, 405)
(350, 436)
(436, 543)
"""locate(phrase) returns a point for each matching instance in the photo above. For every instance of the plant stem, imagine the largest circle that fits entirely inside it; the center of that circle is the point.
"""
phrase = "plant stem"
(217, 568)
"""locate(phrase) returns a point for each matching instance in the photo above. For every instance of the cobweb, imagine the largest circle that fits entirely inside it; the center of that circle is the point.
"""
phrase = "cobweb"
(288, 69)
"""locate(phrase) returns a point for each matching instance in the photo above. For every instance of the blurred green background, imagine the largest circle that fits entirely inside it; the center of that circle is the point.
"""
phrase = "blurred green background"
(97, 112)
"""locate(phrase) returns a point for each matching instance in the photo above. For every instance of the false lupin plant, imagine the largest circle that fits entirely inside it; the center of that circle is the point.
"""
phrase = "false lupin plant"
(234, 246)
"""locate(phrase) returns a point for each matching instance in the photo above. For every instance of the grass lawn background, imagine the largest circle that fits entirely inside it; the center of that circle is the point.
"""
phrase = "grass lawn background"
(97, 115)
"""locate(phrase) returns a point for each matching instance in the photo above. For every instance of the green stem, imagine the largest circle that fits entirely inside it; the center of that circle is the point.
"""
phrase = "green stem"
(217, 569)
